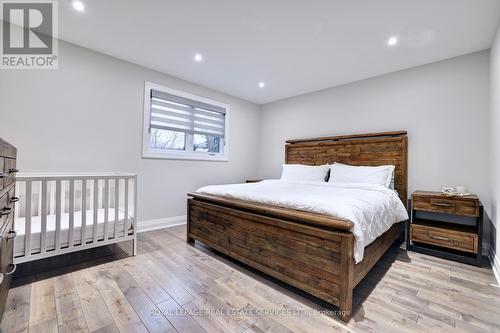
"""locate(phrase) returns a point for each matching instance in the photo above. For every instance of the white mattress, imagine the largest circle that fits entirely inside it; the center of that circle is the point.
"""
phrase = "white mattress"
(373, 209)
(19, 226)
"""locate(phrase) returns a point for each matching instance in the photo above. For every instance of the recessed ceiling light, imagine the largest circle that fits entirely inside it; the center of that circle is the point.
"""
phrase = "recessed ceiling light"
(78, 5)
(198, 57)
(262, 84)
(392, 41)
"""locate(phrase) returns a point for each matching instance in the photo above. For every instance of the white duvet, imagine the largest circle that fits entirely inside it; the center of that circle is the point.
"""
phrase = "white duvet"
(373, 209)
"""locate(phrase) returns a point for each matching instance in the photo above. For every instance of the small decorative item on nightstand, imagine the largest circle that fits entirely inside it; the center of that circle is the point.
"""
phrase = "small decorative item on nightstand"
(253, 180)
(446, 226)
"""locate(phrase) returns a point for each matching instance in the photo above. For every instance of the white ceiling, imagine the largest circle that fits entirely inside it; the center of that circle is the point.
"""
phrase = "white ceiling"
(294, 46)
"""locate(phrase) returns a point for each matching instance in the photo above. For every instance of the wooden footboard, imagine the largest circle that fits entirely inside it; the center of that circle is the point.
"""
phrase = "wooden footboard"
(316, 259)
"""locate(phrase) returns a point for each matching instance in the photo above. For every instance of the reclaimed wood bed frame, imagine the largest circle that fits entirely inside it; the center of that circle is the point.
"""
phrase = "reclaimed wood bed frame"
(312, 252)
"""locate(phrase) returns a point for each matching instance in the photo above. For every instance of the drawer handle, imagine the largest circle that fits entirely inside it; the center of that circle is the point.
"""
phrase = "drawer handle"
(14, 199)
(12, 234)
(443, 204)
(440, 238)
(14, 267)
(13, 170)
(5, 211)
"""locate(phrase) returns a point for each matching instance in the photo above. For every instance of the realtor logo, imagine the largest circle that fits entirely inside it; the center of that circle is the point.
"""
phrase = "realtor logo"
(29, 34)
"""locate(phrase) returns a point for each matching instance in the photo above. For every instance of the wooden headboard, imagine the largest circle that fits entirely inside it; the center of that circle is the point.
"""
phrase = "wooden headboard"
(361, 149)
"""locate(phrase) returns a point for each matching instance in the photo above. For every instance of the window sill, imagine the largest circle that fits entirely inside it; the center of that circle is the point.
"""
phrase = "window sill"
(190, 157)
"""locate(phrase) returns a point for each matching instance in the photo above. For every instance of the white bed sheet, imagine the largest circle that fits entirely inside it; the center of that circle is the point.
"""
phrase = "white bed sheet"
(20, 225)
(373, 209)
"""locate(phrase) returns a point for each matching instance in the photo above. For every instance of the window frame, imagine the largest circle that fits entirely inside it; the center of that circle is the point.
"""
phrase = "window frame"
(189, 153)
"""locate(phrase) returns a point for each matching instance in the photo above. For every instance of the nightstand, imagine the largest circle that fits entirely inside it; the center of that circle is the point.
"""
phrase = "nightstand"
(448, 227)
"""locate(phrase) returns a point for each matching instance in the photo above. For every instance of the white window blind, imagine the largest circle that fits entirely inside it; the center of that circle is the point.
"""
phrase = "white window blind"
(175, 113)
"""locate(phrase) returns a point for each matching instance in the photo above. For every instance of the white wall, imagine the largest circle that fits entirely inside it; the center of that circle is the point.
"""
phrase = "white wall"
(443, 106)
(87, 116)
(495, 149)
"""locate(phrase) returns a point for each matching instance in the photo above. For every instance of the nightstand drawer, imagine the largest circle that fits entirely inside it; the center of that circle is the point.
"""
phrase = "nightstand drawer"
(453, 239)
(446, 205)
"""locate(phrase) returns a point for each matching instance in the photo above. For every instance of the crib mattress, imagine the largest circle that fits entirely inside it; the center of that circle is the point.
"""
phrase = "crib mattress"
(20, 227)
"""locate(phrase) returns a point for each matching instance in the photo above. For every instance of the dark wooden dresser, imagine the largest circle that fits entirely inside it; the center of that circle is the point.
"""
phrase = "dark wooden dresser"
(7, 201)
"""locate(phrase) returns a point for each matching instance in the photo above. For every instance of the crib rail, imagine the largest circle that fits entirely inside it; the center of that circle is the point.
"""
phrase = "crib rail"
(61, 213)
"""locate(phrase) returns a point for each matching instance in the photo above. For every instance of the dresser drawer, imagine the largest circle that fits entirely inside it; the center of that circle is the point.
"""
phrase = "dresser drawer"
(446, 205)
(7, 268)
(11, 202)
(6, 245)
(4, 210)
(453, 239)
(9, 171)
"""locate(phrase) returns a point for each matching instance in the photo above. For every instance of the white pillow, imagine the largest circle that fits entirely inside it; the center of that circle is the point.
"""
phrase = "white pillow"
(343, 173)
(300, 172)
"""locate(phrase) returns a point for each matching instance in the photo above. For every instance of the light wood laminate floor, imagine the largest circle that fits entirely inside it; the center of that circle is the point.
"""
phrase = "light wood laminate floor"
(174, 287)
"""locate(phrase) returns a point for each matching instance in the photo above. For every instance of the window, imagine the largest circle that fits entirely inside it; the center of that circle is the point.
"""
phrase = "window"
(183, 126)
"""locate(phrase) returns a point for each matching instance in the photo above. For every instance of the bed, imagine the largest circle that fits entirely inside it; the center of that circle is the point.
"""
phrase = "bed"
(312, 251)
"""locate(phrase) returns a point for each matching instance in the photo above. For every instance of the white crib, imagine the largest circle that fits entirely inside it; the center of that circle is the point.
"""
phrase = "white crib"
(62, 213)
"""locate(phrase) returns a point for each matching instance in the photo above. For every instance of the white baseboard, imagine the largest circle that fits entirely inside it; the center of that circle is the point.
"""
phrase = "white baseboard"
(161, 223)
(495, 264)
